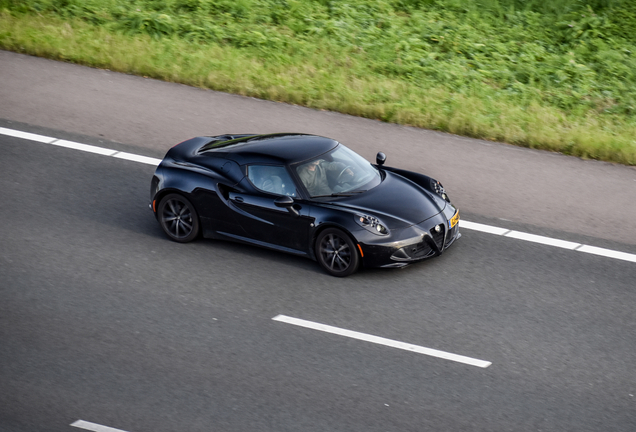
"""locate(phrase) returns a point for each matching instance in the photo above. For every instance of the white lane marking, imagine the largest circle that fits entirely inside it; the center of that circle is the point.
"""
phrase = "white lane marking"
(543, 240)
(578, 247)
(84, 147)
(383, 341)
(137, 158)
(26, 135)
(481, 227)
(608, 253)
(94, 427)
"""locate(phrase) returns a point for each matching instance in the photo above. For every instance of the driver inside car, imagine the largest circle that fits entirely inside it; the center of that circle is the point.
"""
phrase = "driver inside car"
(314, 176)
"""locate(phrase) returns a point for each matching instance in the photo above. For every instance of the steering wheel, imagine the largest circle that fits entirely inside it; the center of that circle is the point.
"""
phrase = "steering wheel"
(339, 178)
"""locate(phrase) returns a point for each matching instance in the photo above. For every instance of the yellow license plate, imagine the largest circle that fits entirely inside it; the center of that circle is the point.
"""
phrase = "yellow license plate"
(454, 220)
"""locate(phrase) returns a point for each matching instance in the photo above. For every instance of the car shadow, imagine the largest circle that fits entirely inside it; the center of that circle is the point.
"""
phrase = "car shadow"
(129, 212)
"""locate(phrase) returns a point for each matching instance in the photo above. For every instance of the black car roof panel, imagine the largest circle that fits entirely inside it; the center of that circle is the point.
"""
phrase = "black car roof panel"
(273, 148)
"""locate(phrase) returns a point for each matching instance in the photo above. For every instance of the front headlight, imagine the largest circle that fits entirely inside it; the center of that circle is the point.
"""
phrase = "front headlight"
(371, 223)
(439, 189)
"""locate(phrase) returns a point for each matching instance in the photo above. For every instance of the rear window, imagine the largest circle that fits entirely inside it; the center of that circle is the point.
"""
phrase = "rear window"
(226, 141)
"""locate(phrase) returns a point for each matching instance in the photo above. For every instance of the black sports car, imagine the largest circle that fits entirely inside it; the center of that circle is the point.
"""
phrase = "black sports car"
(302, 194)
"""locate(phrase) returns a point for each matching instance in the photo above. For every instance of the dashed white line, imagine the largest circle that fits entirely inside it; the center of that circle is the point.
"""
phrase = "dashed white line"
(383, 341)
(94, 427)
(489, 229)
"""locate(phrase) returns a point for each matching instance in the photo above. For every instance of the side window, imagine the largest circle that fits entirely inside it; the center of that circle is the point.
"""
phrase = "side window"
(271, 179)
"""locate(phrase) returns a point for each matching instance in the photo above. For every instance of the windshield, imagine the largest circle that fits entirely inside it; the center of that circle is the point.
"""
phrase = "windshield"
(341, 172)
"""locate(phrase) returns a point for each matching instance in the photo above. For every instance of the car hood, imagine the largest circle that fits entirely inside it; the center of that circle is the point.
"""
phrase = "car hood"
(397, 201)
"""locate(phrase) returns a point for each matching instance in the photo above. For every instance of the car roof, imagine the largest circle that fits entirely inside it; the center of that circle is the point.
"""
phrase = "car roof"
(285, 148)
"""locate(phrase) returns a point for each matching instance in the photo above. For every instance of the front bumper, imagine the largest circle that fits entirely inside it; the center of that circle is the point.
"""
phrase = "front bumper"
(415, 243)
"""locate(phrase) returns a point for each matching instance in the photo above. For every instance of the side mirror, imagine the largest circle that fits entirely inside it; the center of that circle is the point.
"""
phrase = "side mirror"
(287, 202)
(380, 158)
(284, 201)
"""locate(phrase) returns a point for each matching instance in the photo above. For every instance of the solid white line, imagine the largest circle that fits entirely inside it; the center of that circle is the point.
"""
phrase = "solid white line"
(481, 227)
(94, 427)
(543, 240)
(383, 341)
(84, 147)
(26, 135)
(608, 253)
(137, 158)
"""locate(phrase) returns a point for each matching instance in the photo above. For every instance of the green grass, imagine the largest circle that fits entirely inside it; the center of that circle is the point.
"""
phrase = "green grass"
(554, 75)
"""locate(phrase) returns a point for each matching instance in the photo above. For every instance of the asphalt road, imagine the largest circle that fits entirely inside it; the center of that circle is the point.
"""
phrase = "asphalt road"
(546, 190)
(105, 320)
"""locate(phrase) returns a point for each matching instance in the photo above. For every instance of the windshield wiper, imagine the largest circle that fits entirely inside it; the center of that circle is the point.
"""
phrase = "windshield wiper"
(341, 194)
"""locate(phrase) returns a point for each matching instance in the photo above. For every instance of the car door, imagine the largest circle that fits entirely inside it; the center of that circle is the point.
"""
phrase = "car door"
(262, 220)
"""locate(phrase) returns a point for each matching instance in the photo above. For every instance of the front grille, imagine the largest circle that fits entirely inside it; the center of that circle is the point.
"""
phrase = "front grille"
(430, 245)
(438, 237)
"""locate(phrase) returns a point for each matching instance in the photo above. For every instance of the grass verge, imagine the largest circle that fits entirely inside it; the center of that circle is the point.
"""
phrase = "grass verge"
(327, 78)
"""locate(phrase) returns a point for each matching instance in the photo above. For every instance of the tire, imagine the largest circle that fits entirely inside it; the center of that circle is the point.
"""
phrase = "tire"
(178, 218)
(336, 253)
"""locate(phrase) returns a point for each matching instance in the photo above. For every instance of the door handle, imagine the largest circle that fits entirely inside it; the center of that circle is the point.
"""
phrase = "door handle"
(239, 199)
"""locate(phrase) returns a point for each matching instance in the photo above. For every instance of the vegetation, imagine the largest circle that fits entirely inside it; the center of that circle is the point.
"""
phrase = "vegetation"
(557, 75)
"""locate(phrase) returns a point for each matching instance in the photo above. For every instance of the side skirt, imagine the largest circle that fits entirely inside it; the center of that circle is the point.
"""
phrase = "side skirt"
(240, 239)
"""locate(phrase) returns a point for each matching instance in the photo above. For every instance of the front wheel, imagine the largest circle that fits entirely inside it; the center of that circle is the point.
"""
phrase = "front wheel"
(336, 253)
(178, 218)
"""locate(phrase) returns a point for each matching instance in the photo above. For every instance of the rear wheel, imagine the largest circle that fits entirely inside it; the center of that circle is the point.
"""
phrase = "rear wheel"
(336, 253)
(178, 218)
